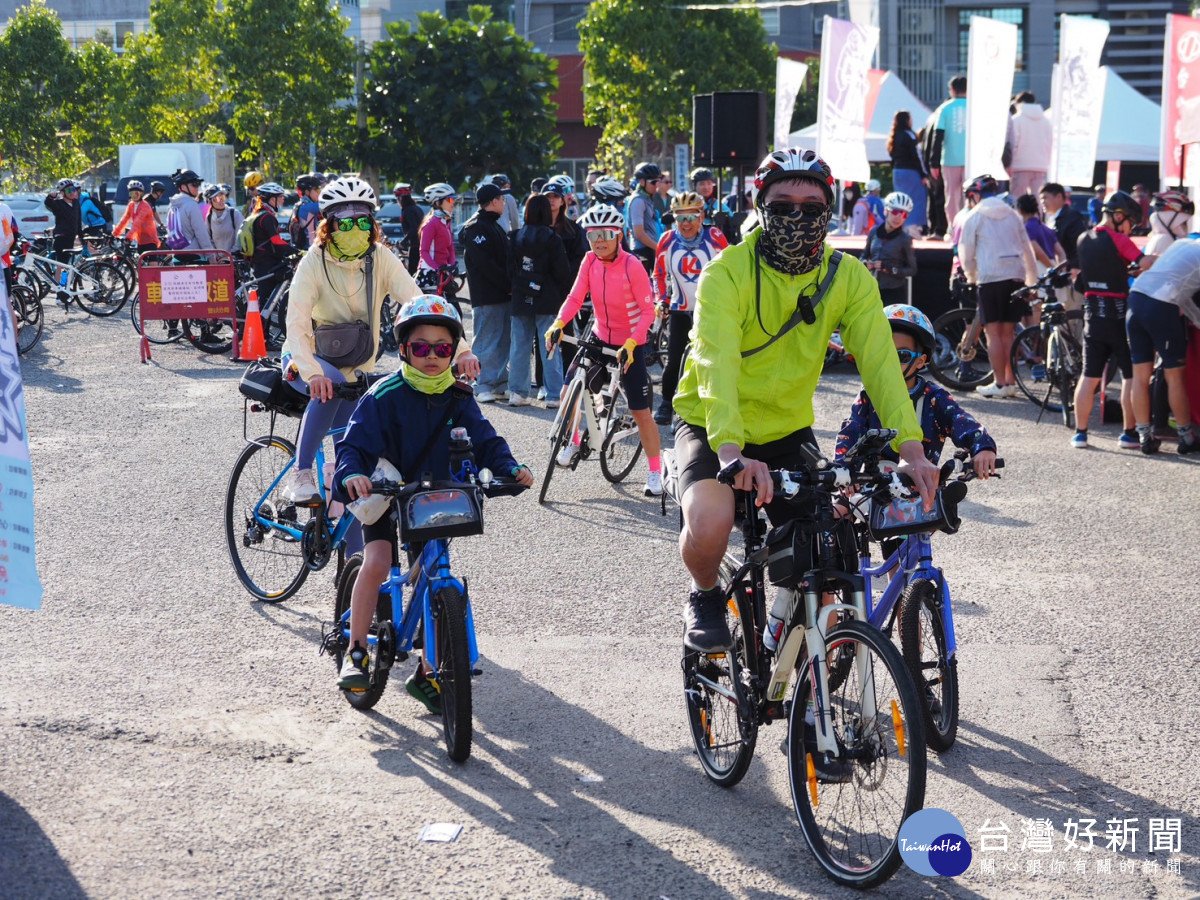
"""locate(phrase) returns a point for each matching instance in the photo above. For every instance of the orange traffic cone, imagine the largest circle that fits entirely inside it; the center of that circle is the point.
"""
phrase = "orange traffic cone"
(254, 345)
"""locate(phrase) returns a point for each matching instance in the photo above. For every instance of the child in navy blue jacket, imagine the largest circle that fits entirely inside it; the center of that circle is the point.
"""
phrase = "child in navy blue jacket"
(395, 422)
(940, 415)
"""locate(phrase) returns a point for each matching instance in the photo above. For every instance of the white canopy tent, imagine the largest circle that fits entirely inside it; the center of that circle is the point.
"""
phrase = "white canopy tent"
(1130, 125)
(893, 96)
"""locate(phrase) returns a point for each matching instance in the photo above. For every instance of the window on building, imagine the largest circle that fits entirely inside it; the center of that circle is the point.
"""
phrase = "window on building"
(567, 17)
(1013, 15)
(770, 19)
(502, 10)
(124, 32)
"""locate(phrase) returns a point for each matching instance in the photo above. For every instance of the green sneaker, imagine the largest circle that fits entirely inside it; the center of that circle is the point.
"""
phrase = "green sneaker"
(425, 689)
(356, 673)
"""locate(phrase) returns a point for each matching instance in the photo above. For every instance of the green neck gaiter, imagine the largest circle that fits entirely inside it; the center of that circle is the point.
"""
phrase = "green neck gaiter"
(427, 384)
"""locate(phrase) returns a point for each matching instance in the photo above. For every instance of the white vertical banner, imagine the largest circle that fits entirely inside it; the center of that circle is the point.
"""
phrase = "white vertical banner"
(864, 13)
(789, 78)
(1077, 99)
(683, 153)
(991, 61)
(846, 52)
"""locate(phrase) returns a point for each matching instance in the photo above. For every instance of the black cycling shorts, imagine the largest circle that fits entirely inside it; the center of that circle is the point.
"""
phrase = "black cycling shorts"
(635, 382)
(998, 304)
(382, 529)
(697, 461)
(1154, 325)
(1105, 340)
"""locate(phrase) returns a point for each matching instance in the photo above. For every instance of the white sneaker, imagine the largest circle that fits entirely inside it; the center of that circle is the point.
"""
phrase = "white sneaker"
(552, 404)
(654, 486)
(567, 455)
(486, 397)
(541, 394)
(1010, 390)
(518, 400)
(301, 487)
(993, 390)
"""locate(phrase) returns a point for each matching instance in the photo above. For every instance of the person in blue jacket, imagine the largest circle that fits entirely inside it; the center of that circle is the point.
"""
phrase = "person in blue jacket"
(395, 421)
(91, 217)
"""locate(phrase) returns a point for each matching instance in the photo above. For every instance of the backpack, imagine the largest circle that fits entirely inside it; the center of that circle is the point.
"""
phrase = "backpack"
(245, 235)
(298, 229)
(176, 239)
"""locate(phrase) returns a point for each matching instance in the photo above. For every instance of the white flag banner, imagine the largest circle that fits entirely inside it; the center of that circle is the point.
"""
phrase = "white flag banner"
(846, 52)
(1077, 99)
(864, 12)
(789, 78)
(991, 61)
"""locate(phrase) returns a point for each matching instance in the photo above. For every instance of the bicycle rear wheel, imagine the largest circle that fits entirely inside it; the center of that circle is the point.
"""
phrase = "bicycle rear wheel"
(209, 335)
(923, 641)
(361, 700)
(959, 368)
(269, 561)
(1064, 360)
(622, 441)
(720, 710)
(104, 288)
(158, 331)
(562, 431)
(852, 821)
(1030, 365)
(30, 317)
(453, 670)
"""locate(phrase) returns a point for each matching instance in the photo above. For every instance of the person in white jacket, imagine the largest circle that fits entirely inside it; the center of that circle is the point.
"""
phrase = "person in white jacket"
(996, 255)
(1032, 139)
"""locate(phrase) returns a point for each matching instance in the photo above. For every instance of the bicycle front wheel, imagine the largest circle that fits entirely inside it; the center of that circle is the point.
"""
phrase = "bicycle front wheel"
(959, 366)
(262, 529)
(30, 317)
(1064, 360)
(158, 331)
(923, 641)
(720, 710)
(1030, 365)
(562, 431)
(851, 808)
(103, 286)
(209, 335)
(453, 670)
(622, 441)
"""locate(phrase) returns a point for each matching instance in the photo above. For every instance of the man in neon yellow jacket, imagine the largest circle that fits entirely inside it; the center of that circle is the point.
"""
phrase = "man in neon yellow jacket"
(765, 311)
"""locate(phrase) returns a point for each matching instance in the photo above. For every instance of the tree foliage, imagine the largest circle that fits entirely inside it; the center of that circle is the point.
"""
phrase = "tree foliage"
(646, 58)
(287, 63)
(454, 100)
(40, 75)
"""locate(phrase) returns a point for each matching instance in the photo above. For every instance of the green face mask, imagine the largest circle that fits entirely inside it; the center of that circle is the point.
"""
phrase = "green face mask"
(427, 384)
(350, 244)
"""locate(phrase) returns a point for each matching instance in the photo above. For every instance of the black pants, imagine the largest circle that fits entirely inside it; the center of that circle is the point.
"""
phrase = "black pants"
(680, 325)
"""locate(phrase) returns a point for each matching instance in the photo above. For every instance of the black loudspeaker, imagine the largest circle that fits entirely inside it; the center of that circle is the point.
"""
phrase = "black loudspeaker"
(702, 106)
(739, 128)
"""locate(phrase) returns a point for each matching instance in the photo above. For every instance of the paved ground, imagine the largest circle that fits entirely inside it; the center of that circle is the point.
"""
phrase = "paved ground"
(163, 735)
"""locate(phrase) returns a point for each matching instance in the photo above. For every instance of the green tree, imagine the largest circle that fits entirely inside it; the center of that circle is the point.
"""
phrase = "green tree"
(40, 74)
(450, 101)
(288, 63)
(94, 110)
(646, 58)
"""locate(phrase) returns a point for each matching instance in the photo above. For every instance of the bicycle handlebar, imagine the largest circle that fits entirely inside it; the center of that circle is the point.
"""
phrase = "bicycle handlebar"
(497, 486)
(584, 344)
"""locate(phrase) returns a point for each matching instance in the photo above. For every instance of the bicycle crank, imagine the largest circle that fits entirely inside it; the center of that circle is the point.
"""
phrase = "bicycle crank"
(316, 544)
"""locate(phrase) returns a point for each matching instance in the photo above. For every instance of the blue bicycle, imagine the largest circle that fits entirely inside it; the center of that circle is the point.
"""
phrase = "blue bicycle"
(918, 595)
(437, 618)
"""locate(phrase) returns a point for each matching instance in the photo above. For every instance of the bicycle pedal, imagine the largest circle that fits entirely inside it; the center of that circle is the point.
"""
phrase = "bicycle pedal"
(475, 673)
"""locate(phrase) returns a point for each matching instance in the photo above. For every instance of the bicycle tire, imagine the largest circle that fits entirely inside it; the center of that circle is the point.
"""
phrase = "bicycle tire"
(947, 366)
(105, 294)
(360, 700)
(923, 644)
(387, 336)
(275, 324)
(561, 432)
(724, 730)
(851, 851)
(453, 670)
(158, 331)
(269, 563)
(1031, 369)
(22, 275)
(209, 335)
(1066, 365)
(622, 443)
(30, 317)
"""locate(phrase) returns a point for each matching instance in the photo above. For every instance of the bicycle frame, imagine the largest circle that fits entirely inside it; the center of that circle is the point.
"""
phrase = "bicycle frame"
(40, 274)
(914, 557)
(592, 420)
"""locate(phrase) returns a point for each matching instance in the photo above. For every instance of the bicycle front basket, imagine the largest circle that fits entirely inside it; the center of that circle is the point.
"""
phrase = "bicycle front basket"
(902, 517)
(440, 513)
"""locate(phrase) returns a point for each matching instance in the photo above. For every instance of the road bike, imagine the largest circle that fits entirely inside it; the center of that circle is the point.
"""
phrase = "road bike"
(915, 602)
(1047, 358)
(437, 618)
(96, 286)
(27, 309)
(594, 404)
(960, 359)
(275, 544)
(855, 738)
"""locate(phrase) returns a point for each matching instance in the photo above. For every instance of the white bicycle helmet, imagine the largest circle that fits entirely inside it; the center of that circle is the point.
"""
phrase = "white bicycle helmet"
(792, 162)
(873, 185)
(350, 189)
(134, 185)
(271, 189)
(560, 184)
(898, 200)
(602, 216)
(607, 189)
(65, 184)
(438, 192)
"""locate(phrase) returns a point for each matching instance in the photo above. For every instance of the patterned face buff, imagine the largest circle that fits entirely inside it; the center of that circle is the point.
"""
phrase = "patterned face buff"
(792, 243)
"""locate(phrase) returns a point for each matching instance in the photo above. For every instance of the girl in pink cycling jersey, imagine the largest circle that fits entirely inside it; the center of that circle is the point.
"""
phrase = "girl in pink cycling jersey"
(437, 240)
(623, 304)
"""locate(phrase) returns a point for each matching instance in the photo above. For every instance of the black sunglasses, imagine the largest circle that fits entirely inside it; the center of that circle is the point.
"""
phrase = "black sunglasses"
(421, 349)
(809, 208)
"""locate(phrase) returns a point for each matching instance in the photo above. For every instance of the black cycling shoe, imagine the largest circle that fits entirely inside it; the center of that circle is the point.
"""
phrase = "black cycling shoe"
(705, 628)
(1186, 447)
(665, 411)
(1149, 444)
